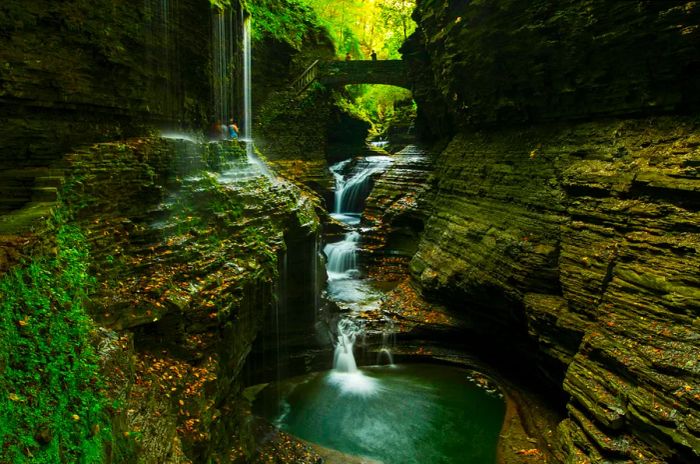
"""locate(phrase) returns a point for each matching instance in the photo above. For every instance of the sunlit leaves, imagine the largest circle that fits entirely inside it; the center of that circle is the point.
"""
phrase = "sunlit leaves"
(360, 26)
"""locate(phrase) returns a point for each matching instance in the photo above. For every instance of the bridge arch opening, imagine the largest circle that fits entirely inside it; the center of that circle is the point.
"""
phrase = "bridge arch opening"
(390, 109)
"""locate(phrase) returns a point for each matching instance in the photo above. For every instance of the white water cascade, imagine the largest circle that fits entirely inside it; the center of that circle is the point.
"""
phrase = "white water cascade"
(344, 359)
(351, 191)
(223, 39)
(352, 186)
(248, 101)
(342, 259)
(345, 375)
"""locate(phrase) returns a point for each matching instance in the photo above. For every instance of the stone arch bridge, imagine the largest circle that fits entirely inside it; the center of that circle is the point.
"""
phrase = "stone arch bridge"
(331, 73)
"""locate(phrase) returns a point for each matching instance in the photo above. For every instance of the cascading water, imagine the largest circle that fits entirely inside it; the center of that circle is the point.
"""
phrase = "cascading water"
(345, 285)
(351, 192)
(248, 101)
(239, 170)
(342, 259)
(222, 60)
(384, 355)
(247, 83)
(345, 374)
(344, 359)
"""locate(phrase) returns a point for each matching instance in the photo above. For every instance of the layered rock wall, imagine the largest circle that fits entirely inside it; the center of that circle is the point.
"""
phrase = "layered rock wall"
(507, 61)
(79, 72)
(188, 270)
(585, 238)
(573, 242)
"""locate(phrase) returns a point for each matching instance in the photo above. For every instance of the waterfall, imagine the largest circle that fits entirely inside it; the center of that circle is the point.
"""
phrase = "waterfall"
(344, 359)
(223, 56)
(345, 374)
(247, 122)
(316, 288)
(342, 260)
(161, 51)
(388, 342)
(351, 192)
(353, 182)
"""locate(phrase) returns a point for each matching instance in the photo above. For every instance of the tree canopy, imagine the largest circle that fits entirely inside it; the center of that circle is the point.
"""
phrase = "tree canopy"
(360, 26)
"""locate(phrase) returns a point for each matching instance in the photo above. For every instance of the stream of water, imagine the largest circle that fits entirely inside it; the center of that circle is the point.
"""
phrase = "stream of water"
(353, 183)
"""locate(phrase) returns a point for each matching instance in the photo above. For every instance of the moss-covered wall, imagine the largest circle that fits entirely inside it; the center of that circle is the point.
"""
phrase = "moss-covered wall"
(78, 71)
(563, 222)
(510, 61)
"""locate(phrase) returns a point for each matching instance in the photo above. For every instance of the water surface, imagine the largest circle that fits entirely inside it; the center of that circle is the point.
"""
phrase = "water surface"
(416, 413)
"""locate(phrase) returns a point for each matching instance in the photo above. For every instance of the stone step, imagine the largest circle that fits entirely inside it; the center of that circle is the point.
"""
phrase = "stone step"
(42, 194)
(49, 181)
(25, 219)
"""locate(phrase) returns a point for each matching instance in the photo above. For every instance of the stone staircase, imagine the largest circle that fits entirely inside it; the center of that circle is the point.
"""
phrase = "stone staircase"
(26, 196)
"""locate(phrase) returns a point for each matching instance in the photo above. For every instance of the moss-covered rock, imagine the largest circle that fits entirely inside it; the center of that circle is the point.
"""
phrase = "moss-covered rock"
(188, 264)
(79, 72)
(584, 238)
(512, 62)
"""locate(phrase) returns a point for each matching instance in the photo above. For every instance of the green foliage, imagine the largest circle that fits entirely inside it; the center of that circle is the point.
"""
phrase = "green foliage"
(376, 103)
(51, 407)
(360, 26)
(220, 4)
(285, 20)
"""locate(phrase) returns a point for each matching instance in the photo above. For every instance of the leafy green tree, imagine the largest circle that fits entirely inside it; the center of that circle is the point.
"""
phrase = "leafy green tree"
(360, 26)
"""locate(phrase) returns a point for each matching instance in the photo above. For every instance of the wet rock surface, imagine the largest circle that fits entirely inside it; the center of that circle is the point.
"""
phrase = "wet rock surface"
(97, 71)
(513, 62)
(395, 213)
(574, 243)
(186, 262)
(583, 238)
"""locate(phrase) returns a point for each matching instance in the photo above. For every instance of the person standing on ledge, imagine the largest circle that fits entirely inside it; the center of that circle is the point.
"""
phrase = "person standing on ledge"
(374, 55)
(348, 57)
(232, 129)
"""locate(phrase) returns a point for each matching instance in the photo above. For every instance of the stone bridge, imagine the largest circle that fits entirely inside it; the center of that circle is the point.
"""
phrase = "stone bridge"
(388, 72)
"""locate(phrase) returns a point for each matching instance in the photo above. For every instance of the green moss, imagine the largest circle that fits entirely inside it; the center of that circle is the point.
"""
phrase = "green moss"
(51, 407)
(285, 20)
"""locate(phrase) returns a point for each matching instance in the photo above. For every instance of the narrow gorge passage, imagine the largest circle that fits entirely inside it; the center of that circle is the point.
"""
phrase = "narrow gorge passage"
(349, 232)
(361, 410)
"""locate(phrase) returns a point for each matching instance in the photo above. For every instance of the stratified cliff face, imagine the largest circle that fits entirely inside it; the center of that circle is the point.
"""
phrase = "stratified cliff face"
(576, 242)
(76, 72)
(509, 61)
(588, 233)
(188, 266)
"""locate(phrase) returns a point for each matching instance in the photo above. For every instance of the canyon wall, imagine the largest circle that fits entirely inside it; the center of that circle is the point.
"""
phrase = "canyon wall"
(188, 266)
(78, 72)
(501, 62)
(189, 270)
(563, 223)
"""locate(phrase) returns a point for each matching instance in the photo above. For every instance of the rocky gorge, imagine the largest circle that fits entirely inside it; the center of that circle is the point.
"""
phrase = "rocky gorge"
(543, 230)
(563, 216)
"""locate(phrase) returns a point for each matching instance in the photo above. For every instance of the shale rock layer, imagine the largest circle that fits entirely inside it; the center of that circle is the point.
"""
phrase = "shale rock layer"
(585, 237)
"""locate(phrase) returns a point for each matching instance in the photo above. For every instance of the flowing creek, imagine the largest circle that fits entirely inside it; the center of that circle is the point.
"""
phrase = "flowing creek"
(353, 180)
(407, 413)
